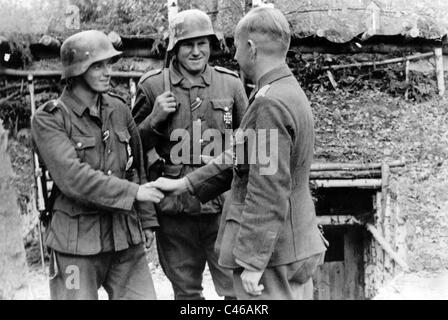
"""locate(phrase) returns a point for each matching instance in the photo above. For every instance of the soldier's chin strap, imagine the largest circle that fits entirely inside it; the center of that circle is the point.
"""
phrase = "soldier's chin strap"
(166, 79)
(166, 72)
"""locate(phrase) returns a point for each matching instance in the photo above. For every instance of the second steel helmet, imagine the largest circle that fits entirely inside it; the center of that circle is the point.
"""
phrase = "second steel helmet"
(189, 24)
(81, 50)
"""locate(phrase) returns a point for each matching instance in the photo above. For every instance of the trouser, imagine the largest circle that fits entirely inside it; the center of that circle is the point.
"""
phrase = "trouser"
(285, 282)
(123, 274)
(185, 243)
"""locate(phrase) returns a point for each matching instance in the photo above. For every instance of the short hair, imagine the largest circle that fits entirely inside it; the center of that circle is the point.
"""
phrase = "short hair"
(269, 22)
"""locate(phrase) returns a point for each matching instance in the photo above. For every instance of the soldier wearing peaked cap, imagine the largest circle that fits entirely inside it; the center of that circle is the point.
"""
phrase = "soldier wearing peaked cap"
(268, 236)
(90, 145)
(186, 96)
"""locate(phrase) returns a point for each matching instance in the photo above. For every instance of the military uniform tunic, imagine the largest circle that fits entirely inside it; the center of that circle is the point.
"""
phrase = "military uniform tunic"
(269, 219)
(97, 164)
(188, 229)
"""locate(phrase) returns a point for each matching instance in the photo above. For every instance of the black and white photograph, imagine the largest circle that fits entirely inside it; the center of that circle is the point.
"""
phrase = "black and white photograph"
(230, 150)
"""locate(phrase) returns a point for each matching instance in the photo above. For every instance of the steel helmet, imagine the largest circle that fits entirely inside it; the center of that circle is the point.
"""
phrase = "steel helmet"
(189, 24)
(81, 50)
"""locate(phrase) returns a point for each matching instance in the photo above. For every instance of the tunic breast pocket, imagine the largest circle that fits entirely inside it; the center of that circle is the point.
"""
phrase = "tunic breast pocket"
(85, 149)
(219, 116)
(124, 150)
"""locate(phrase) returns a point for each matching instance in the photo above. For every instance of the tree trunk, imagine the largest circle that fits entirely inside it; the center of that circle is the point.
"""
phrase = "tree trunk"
(13, 267)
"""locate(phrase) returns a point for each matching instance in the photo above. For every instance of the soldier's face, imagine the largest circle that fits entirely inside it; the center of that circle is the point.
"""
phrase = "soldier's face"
(193, 54)
(97, 76)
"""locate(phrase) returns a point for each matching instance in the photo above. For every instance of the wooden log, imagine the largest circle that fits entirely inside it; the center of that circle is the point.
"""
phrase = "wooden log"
(368, 265)
(439, 70)
(355, 183)
(353, 166)
(25, 73)
(378, 211)
(55, 74)
(342, 220)
(345, 174)
(333, 82)
(386, 247)
(400, 233)
(384, 196)
(378, 63)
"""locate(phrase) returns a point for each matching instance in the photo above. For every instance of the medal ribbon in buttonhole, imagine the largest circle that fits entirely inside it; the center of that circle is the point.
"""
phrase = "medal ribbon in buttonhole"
(196, 104)
(130, 157)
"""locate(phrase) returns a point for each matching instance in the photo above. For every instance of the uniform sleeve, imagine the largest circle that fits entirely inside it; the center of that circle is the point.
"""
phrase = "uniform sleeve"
(241, 103)
(269, 186)
(141, 112)
(75, 179)
(211, 180)
(146, 210)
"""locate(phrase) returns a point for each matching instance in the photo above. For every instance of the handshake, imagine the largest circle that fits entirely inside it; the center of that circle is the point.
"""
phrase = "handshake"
(156, 190)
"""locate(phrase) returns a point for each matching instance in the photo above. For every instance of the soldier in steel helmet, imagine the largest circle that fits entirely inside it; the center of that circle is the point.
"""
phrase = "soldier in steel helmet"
(102, 207)
(189, 97)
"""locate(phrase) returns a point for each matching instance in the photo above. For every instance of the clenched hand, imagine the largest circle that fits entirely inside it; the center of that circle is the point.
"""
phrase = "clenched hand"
(164, 105)
(250, 280)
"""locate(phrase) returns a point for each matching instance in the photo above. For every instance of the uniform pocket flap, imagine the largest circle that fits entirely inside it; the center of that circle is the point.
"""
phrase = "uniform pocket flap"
(222, 104)
(123, 136)
(235, 212)
(173, 170)
(82, 142)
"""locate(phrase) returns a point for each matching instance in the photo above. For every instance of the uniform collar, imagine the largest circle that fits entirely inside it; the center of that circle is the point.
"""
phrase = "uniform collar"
(176, 76)
(279, 72)
(76, 104)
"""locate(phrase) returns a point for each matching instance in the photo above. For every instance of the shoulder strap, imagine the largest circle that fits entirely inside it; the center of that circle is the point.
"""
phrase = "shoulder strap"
(67, 118)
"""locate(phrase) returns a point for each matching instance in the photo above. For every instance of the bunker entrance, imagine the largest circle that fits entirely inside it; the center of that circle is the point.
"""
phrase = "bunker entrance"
(360, 219)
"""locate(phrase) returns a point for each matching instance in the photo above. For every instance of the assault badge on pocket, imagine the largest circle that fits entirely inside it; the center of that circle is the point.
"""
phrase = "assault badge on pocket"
(130, 157)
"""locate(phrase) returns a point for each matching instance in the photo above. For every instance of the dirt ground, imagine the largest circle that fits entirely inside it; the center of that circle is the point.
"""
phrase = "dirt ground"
(416, 286)
(411, 286)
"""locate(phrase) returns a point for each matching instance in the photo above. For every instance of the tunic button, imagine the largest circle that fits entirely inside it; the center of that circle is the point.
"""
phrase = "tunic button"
(226, 109)
(109, 151)
(201, 141)
(79, 144)
(109, 172)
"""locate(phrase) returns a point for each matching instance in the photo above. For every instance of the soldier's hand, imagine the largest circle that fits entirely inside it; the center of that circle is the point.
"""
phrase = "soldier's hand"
(149, 238)
(250, 280)
(164, 105)
(147, 192)
(171, 186)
